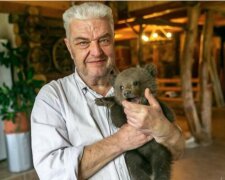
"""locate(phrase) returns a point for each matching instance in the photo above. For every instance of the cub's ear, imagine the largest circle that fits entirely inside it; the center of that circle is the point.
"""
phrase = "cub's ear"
(151, 68)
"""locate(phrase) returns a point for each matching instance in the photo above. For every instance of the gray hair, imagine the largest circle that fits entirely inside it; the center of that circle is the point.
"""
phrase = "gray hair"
(84, 11)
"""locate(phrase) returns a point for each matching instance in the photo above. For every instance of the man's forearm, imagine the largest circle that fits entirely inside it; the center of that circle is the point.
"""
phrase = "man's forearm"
(97, 155)
(173, 139)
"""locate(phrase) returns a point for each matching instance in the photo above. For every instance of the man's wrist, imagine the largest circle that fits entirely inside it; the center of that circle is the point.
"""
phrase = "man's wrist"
(115, 140)
(167, 132)
(173, 139)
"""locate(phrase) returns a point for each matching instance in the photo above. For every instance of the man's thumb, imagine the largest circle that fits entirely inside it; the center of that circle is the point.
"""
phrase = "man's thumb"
(151, 99)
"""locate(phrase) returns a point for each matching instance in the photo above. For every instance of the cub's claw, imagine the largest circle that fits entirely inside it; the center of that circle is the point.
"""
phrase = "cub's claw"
(100, 102)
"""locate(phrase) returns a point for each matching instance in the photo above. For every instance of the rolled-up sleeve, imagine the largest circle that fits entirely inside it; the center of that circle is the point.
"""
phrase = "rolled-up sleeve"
(54, 156)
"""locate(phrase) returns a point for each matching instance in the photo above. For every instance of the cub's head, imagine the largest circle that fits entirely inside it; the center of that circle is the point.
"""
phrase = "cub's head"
(131, 83)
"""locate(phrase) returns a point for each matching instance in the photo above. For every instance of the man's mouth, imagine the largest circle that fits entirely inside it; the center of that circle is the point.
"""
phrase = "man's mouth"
(96, 62)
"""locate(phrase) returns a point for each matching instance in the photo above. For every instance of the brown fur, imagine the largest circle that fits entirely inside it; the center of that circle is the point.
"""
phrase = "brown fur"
(152, 158)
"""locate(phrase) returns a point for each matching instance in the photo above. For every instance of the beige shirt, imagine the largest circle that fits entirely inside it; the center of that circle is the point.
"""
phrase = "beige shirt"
(64, 119)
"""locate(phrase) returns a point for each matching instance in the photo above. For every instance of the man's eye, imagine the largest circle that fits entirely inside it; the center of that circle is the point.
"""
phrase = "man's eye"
(105, 41)
(83, 44)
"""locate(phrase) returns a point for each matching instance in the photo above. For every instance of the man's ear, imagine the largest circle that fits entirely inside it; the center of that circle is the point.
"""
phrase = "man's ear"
(151, 68)
(68, 46)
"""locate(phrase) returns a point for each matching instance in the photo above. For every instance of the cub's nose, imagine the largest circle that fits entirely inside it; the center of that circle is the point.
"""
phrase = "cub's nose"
(127, 93)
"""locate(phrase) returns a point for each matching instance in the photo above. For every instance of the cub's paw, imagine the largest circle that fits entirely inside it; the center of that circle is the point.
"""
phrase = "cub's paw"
(100, 102)
(105, 101)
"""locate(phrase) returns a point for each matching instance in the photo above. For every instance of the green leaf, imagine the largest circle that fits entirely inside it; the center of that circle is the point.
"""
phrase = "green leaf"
(21, 95)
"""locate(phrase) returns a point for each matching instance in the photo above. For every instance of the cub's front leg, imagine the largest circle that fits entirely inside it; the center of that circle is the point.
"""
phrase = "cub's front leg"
(117, 113)
(105, 101)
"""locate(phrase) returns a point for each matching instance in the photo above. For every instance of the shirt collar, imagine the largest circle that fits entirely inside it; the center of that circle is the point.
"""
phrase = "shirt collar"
(84, 87)
(81, 83)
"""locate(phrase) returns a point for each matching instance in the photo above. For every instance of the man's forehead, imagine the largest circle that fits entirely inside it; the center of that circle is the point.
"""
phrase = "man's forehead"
(90, 29)
(90, 24)
(80, 38)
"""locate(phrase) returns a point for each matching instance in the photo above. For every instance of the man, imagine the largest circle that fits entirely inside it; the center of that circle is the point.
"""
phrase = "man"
(72, 138)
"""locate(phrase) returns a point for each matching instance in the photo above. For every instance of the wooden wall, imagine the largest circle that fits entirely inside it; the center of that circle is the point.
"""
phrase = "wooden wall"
(42, 37)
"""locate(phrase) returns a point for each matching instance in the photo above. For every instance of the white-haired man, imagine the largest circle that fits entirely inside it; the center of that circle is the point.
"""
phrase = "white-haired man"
(72, 138)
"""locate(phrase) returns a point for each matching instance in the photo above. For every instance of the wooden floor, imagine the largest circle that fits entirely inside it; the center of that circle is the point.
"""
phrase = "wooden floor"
(204, 163)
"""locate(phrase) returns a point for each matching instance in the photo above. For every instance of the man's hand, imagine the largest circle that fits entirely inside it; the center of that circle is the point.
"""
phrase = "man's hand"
(150, 120)
(131, 138)
(147, 118)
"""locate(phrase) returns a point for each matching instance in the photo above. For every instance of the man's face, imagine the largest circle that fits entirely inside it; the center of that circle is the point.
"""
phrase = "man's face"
(91, 45)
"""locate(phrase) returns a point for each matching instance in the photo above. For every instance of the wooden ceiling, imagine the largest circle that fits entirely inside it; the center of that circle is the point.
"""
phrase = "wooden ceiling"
(52, 9)
(167, 15)
(170, 16)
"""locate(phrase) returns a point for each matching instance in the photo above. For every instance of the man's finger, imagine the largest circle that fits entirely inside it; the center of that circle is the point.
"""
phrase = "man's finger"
(130, 105)
(151, 99)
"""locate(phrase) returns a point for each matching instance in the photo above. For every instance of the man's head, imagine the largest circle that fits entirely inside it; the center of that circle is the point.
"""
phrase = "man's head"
(87, 11)
(90, 39)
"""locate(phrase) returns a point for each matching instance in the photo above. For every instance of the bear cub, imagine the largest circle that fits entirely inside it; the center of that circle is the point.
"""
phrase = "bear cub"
(151, 160)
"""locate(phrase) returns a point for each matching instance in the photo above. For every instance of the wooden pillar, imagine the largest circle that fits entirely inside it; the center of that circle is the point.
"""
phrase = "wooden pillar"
(199, 123)
(205, 85)
(217, 88)
(155, 55)
(140, 44)
(139, 41)
(186, 71)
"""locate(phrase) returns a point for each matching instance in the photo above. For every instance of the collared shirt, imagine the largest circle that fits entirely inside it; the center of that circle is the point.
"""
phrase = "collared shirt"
(64, 120)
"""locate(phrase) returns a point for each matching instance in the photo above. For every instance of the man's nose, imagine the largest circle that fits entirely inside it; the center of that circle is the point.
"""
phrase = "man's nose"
(95, 49)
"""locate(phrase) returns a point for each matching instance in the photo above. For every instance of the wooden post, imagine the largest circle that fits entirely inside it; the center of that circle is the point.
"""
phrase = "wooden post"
(155, 55)
(205, 85)
(186, 71)
(140, 45)
(217, 89)
(139, 41)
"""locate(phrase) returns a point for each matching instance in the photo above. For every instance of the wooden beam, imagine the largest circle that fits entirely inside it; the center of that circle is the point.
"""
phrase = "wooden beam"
(218, 6)
(175, 80)
(174, 99)
(60, 5)
(161, 22)
(172, 15)
(11, 7)
(21, 8)
(155, 21)
(170, 6)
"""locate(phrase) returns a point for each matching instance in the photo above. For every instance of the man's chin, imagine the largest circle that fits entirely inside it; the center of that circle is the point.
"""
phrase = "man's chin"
(95, 71)
(98, 74)
(99, 70)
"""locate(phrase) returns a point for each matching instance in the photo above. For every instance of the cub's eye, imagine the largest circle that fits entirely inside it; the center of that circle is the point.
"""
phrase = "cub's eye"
(136, 83)
(121, 87)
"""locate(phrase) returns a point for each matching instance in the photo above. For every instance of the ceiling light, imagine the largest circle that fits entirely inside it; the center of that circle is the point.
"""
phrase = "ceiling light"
(155, 35)
(168, 34)
(145, 38)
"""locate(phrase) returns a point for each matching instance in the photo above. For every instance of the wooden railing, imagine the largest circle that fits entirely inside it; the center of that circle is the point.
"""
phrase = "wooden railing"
(171, 90)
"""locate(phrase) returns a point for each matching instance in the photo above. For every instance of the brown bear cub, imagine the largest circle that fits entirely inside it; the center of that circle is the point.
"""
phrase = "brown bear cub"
(151, 160)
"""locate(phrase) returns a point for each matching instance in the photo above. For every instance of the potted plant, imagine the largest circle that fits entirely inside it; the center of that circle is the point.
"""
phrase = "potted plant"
(16, 102)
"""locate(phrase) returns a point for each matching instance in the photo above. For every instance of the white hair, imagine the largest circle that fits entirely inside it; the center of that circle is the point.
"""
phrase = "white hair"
(89, 10)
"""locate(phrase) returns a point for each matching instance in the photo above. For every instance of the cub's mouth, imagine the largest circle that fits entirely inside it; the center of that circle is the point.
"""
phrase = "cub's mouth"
(134, 99)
